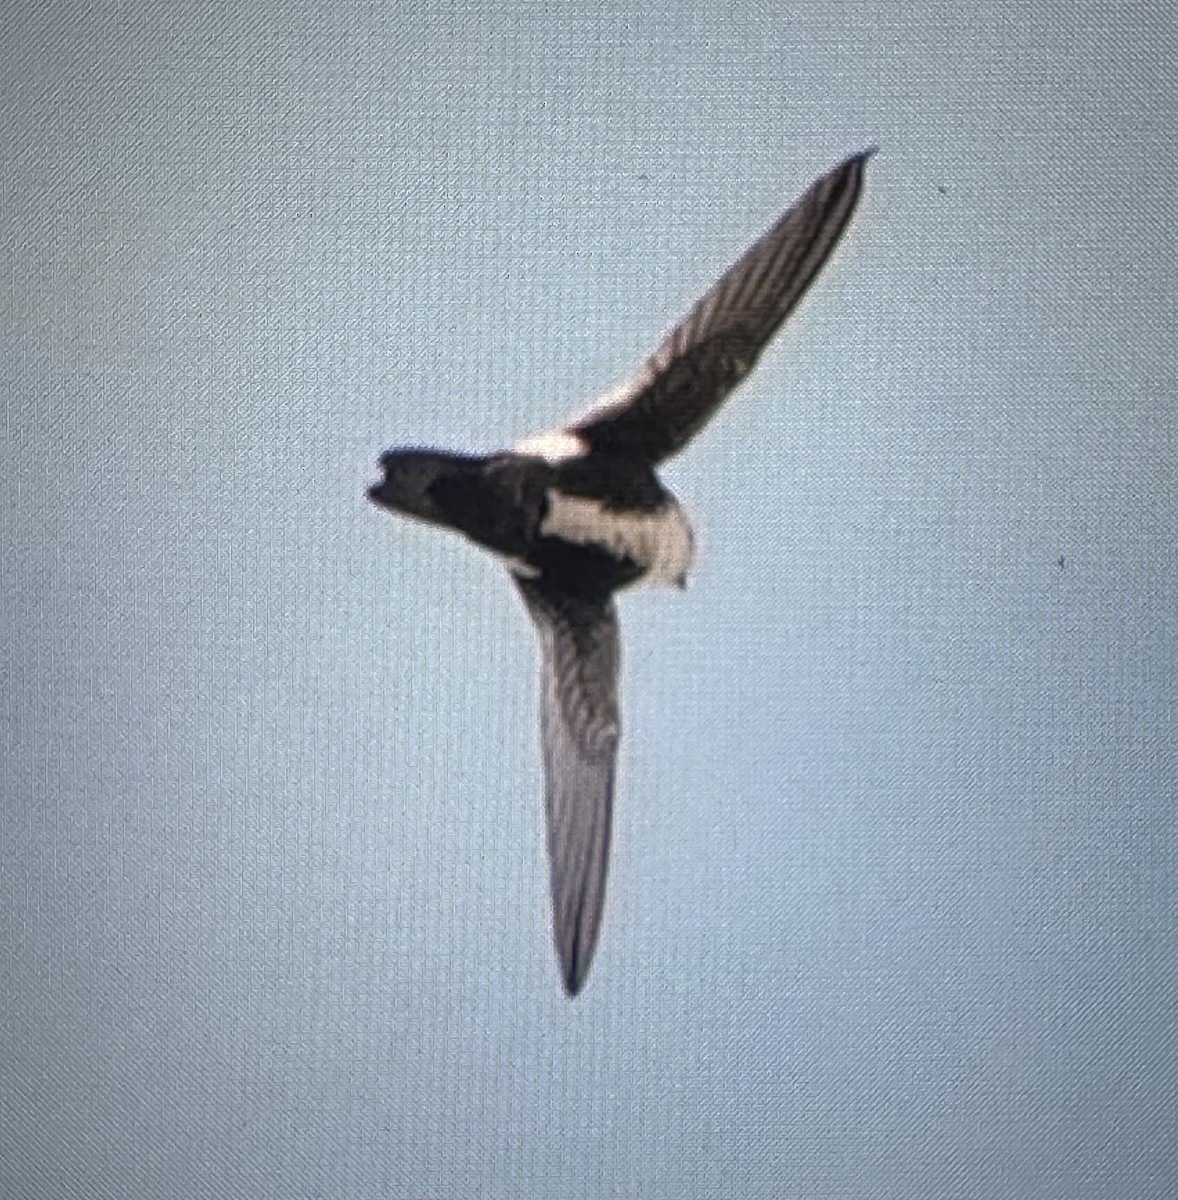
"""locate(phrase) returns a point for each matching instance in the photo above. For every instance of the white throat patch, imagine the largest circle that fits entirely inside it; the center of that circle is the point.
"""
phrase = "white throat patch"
(660, 541)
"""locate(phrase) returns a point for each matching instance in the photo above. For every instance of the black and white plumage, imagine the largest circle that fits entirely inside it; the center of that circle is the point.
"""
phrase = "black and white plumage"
(578, 513)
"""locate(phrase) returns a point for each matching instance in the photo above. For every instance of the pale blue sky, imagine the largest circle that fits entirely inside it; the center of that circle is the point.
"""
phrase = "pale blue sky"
(892, 910)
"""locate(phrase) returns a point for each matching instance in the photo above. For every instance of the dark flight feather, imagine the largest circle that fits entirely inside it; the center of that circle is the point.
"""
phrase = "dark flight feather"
(677, 390)
(579, 730)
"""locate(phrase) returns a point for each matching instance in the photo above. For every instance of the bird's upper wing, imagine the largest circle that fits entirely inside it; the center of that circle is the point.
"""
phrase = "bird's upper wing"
(579, 728)
(655, 413)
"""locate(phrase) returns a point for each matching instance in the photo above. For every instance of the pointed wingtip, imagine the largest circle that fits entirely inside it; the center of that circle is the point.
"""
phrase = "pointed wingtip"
(855, 164)
(574, 967)
(573, 979)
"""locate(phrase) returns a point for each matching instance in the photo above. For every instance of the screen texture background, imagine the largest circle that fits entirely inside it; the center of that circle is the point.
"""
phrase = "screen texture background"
(892, 910)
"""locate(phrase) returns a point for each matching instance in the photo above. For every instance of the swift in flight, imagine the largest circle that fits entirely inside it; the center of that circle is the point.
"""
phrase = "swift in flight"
(578, 512)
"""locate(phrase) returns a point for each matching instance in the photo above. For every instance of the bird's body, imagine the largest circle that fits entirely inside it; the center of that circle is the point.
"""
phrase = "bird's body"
(588, 525)
(579, 513)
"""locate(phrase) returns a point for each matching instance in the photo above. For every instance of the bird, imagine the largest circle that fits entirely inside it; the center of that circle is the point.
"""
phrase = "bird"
(578, 513)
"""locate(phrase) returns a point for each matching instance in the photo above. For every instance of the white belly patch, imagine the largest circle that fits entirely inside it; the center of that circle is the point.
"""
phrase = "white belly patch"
(661, 541)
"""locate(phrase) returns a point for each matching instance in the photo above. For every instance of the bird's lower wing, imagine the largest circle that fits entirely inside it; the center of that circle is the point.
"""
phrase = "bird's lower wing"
(579, 728)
